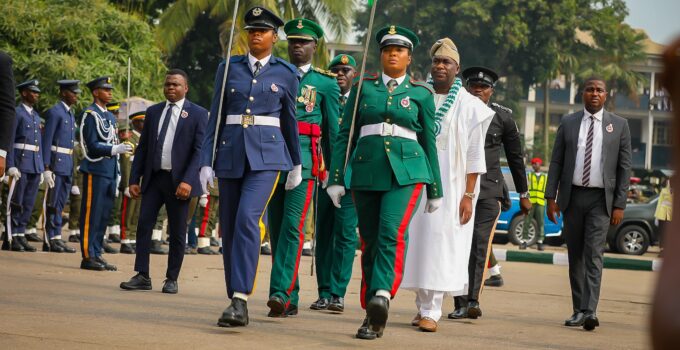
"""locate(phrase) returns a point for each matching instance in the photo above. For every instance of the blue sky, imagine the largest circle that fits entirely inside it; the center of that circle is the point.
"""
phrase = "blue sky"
(659, 18)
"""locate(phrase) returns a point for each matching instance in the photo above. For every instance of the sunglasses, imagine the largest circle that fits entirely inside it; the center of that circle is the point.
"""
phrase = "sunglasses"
(344, 70)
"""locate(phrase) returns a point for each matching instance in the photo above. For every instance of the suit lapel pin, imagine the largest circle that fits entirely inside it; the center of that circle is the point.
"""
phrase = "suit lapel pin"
(275, 88)
(405, 102)
(184, 114)
(610, 128)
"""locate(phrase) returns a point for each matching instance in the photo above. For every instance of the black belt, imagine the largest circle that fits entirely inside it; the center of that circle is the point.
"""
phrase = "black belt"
(587, 188)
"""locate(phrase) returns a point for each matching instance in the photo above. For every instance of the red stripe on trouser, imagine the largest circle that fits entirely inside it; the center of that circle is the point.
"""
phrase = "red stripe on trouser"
(488, 264)
(362, 296)
(204, 221)
(401, 244)
(301, 234)
(123, 218)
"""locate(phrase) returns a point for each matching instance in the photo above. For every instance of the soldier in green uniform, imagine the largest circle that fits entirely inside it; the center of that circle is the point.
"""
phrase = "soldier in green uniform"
(130, 206)
(394, 156)
(113, 226)
(75, 197)
(317, 111)
(336, 233)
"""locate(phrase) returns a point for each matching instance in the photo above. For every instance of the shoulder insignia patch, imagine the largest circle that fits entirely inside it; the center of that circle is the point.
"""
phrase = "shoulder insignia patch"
(325, 72)
(367, 77)
(503, 108)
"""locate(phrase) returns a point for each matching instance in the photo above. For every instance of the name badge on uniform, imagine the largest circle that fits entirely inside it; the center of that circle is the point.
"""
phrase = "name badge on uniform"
(610, 128)
(275, 88)
(184, 114)
(406, 102)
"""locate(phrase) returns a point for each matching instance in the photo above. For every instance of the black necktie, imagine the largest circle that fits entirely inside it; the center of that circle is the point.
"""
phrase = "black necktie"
(589, 152)
(392, 84)
(161, 138)
(258, 66)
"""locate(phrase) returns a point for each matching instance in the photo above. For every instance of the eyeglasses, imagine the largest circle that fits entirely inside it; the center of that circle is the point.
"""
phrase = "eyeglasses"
(344, 70)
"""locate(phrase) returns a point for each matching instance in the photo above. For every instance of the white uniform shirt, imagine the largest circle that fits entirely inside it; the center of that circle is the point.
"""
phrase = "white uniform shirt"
(252, 60)
(166, 155)
(596, 177)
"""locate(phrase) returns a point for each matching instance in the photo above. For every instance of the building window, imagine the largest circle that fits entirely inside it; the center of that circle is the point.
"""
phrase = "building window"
(662, 133)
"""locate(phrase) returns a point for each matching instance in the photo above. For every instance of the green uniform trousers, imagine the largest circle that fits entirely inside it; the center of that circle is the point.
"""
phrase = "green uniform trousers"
(384, 217)
(286, 213)
(130, 218)
(116, 210)
(74, 211)
(336, 241)
(536, 212)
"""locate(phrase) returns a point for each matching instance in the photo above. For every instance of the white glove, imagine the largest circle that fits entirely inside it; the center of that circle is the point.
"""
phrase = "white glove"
(203, 202)
(75, 190)
(324, 183)
(336, 192)
(42, 178)
(207, 177)
(127, 192)
(294, 177)
(49, 177)
(14, 172)
(120, 149)
(117, 193)
(432, 205)
(3, 178)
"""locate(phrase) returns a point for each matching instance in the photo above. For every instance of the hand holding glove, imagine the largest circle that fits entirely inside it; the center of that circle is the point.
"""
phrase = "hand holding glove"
(49, 178)
(336, 192)
(203, 202)
(120, 149)
(294, 177)
(206, 177)
(14, 172)
(432, 205)
(75, 190)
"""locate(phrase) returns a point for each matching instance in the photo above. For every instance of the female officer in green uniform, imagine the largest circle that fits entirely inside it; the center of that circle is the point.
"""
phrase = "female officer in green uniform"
(394, 155)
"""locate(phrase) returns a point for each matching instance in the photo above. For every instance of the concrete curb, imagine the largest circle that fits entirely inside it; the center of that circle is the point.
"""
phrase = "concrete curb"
(562, 259)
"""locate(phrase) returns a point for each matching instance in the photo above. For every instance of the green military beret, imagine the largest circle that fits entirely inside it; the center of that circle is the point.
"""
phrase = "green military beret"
(396, 35)
(304, 29)
(345, 60)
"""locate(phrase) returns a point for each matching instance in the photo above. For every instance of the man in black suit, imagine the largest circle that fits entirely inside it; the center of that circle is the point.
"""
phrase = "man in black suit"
(589, 176)
(7, 110)
(166, 171)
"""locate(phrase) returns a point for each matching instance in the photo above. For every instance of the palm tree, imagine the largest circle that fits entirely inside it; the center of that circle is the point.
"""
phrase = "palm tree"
(180, 17)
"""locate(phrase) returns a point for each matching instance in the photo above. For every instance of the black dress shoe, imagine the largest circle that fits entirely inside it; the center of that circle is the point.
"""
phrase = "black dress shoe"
(170, 286)
(523, 246)
(320, 304)
(137, 282)
(576, 320)
(236, 315)
(73, 239)
(473, 310)
(15, 246)
(214, 242)
(33, 237)
(459, 313)
(206, 251)
(106, 264)
(276, 305)
(265, 249)
(24, 243)
(291, 310)
(365, 332)
(306, 252)
(63, 246)
(157, 248)
(337, 304)
(114, 238)
(377, 310)
(109, 249)
(126, 248)
(590, 322)
(540, 246)
(494, 281)
(52, 246)
(91, 264)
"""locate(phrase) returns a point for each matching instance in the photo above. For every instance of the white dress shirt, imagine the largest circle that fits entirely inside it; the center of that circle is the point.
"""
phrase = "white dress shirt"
(252, 60)
(28, 109)
(166, 152)
(68, 109)
(386, 78)
(304, 69)
(596, 176)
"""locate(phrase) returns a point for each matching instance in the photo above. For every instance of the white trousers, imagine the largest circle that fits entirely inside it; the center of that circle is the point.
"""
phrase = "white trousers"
(429, 303)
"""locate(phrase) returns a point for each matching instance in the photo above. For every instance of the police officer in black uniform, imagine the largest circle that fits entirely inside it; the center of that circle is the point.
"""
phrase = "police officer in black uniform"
(502, 132)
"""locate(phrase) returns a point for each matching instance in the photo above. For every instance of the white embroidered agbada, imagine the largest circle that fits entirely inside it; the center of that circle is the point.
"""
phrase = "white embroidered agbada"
(439, 246)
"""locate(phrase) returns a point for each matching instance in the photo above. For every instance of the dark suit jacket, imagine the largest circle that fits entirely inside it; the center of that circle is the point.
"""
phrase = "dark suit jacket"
(616, 160)
(7, 117)
(186, 147)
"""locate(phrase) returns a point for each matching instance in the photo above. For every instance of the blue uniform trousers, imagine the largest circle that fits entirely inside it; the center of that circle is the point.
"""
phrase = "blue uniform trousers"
(56, 200)
(242, 203)
(25, 191)
(98, 194)
(162, 192)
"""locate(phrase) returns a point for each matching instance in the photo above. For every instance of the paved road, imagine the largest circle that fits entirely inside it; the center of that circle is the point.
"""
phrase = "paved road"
(46, 302)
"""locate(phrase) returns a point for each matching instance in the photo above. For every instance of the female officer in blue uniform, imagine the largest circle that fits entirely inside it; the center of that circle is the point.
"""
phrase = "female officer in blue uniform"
(257, 138)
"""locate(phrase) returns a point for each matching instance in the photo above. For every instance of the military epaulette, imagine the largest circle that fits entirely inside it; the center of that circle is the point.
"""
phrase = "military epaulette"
(325, 72)
(503, 108)
(422, 84)
(367, 76)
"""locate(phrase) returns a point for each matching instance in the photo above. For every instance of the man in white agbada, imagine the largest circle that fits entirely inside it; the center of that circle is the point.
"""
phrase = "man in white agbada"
(439, 244)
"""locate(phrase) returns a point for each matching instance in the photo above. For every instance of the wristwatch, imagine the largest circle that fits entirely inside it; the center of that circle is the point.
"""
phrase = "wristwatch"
(470, 195)
(524, 195)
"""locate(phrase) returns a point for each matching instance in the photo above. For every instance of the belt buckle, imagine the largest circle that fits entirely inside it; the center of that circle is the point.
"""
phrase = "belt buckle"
(247, 119)
(387, 129)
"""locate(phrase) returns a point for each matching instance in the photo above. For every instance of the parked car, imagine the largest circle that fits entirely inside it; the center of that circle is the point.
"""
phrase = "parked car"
(637, 231)
(511, 222)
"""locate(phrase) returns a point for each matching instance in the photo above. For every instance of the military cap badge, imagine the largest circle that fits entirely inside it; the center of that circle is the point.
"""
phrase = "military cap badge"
(299, 25)
(344, 59)
(257, 11)
(393, 30)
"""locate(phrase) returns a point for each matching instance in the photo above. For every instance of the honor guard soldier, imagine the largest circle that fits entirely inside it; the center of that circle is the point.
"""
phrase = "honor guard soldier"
(100, 170)
(57, 151)
(502, 132)
(394, 157)
(317, 109)
(336, 228)
(25, 167)
(113, 225)
(257, 139)
(131, 206)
